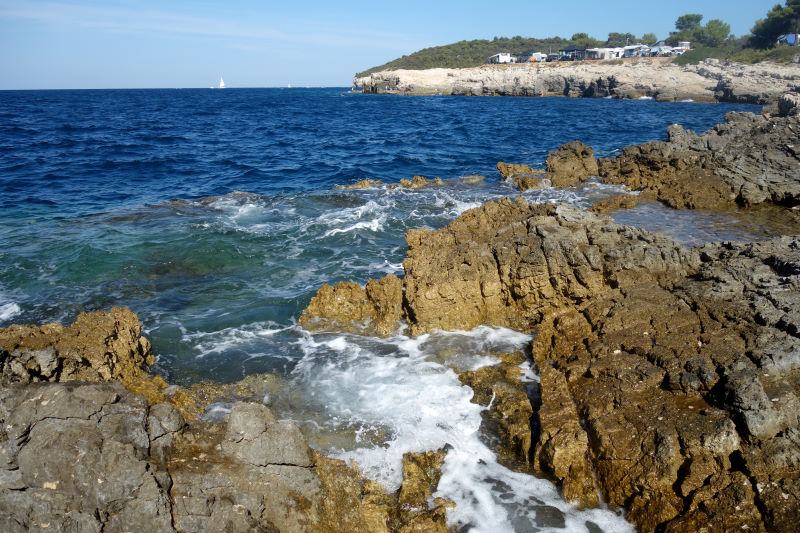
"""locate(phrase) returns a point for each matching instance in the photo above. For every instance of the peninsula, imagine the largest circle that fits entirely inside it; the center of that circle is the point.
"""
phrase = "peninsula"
(711, 80)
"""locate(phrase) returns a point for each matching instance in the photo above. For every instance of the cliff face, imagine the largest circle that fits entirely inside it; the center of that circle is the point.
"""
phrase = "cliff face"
(711, 80)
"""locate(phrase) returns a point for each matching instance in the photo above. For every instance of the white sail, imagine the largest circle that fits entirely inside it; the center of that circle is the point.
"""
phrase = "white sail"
(221, 83)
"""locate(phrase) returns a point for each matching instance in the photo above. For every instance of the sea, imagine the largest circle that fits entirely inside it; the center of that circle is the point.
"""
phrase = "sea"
(217, 214)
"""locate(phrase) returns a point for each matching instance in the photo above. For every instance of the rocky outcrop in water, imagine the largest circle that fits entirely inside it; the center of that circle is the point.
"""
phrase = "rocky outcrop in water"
(749, 160)
(711, 80)
(81, 452)
(669, 377)
(96, 347)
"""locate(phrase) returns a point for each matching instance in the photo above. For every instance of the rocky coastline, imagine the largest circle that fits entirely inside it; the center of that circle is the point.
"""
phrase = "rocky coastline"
(669, 376)
(710, 81)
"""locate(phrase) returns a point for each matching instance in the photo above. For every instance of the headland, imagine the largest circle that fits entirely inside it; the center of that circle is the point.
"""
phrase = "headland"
(709, 81)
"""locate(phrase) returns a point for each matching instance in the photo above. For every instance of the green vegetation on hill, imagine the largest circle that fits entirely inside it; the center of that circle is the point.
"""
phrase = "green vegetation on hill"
(712, 40)
(464, 54)
(736, 50)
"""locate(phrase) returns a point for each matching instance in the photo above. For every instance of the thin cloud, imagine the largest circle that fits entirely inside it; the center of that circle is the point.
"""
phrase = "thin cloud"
(126, 20)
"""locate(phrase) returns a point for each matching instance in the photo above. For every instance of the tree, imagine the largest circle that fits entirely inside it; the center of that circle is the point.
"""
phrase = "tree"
(688, 22)
(780, 20)
(713, 34)
(649, 38)
(583, 39)
(620, 39)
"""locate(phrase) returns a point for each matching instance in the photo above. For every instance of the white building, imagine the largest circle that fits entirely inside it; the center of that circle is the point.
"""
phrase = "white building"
(502, 57)
(538, 57)
(604, 53)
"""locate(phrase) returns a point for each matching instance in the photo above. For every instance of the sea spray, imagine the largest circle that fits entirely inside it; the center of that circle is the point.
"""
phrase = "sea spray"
(406, 390)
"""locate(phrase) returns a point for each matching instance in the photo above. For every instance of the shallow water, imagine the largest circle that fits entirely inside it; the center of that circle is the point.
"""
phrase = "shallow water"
(127, 198)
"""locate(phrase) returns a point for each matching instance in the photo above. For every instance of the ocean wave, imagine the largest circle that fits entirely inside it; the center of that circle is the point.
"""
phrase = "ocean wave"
(205, 344)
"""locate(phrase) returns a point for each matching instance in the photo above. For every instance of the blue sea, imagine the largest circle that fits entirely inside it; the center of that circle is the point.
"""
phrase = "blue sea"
(215, 215)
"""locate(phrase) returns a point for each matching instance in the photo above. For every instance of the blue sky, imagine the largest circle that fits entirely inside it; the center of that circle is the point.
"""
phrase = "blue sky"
(51, 44)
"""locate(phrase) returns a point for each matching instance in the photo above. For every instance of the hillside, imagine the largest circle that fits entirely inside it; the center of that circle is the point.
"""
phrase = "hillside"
(464, 54)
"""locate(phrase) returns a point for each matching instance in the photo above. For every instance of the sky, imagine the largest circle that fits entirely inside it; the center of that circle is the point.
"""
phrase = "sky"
(83, 44)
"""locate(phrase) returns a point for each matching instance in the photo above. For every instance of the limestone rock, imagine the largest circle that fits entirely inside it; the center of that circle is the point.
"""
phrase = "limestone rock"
(87, 456)
(788, 103)
(79, 451)
(376, 308)
(98, 346)
(749, 160)
(255, 437)
(363, 184)
(509, 169)
(421, 475)
(711, 80)
(509, 416)
(563, 447)
(613, 203)
(570, 164)
(523, 177)
(417, 182)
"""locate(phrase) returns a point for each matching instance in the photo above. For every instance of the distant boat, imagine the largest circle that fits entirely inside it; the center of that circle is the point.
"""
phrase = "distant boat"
(221, 83)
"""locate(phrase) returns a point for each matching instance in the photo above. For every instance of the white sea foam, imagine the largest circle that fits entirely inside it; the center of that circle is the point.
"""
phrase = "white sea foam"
(9, 310)
(219, 342)
(386, 267)
(407, 388)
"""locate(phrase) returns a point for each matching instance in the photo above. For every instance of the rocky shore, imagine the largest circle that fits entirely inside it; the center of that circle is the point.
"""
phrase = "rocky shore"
(90, 442)
(669, 377)
(710, 81)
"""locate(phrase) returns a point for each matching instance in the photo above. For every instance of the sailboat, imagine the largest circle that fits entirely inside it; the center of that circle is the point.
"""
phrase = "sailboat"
(221, 83)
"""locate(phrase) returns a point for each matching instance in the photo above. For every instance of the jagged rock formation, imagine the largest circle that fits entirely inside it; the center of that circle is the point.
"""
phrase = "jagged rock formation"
(749, 160)
(711, 80)
(669, 377)
(570, 164)
(88, 454)
(96, 347)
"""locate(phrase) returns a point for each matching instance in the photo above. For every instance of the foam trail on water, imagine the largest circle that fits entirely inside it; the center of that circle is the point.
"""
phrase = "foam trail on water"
(217, 342)
(372, 225)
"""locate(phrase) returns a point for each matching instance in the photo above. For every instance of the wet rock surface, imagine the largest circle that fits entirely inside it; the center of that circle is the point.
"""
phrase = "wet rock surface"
(669, 377)
(79, 455)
